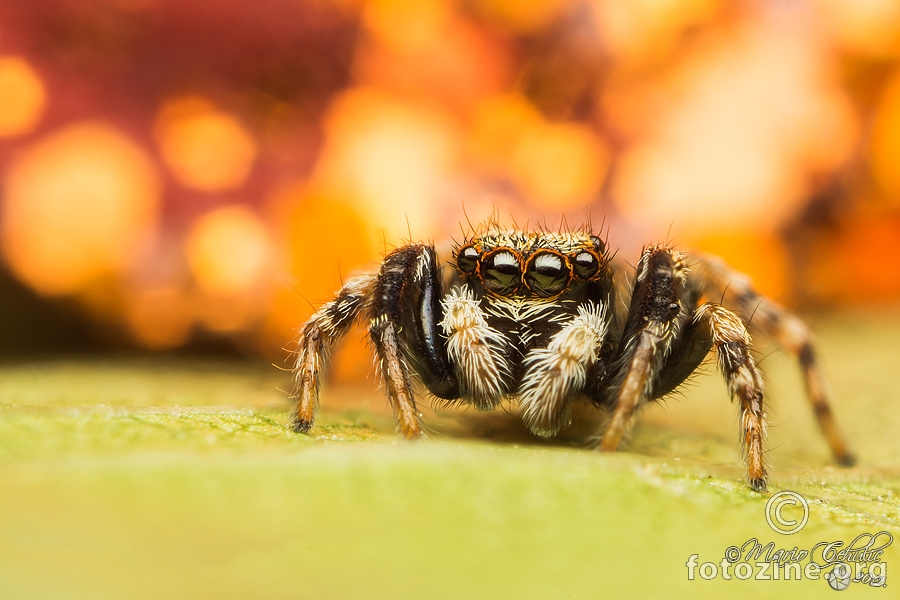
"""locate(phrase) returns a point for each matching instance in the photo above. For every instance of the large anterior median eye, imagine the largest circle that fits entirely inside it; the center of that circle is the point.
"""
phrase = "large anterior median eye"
(501, 272)
(467, 259)
(585, 265)
(547, 274)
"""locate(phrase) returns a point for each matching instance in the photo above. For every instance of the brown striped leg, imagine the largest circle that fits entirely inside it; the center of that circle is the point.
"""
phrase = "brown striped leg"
(732, 343)
(324, 328)
(791, 333)
(396, 376)
(632, 392)
(659, 308)
(407, 285)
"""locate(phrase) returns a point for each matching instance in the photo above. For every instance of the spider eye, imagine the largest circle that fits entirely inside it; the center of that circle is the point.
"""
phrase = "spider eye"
(547, 274)
(500, 272)
(585, 265)
(467, 259)
(599, 246)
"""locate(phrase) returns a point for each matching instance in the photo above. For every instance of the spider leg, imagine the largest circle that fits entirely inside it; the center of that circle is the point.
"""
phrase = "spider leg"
(690, 349)
(732, 343)
(719, 281)
(396, 376)
(660, 307)
(405, 311)
(556, 373)
(327, 325)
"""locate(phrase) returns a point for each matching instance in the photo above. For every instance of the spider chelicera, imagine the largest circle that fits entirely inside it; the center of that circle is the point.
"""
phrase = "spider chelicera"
(545, 319)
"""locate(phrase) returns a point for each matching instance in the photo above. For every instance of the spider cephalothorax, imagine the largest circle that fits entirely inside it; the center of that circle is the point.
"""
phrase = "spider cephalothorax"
(527, 265)
(537, 318)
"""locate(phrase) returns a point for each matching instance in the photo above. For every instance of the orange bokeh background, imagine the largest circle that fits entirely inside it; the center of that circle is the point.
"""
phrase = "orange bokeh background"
(213, 171)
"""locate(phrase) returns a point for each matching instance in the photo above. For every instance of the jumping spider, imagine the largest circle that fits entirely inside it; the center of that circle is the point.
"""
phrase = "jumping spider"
(537, 317)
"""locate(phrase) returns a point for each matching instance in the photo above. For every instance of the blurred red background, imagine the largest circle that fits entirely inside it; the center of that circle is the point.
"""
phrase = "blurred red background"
(175, 174)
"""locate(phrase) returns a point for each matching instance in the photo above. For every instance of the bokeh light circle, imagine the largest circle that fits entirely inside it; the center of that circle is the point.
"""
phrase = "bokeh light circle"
(206, 148)
(22, 97)
(228, 250)
(76, 205)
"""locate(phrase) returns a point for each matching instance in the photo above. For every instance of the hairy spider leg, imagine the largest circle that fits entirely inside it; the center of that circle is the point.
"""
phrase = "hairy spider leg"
(659, 310)
(396, 376)
(732, 343)
(555, 374)
(403, 304)
(326, 326)
(689, 350)
(720, 281)
(405, 312)
(662, 345)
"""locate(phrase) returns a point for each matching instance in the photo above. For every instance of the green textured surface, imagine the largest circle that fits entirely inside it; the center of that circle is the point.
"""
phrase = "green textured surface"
(173, 478)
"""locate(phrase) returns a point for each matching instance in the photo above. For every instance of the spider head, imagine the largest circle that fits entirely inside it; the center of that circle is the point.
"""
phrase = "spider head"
(536, 265)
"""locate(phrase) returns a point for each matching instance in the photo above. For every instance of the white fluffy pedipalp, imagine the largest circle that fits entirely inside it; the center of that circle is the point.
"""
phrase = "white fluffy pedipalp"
(556, 372)
(475, 349)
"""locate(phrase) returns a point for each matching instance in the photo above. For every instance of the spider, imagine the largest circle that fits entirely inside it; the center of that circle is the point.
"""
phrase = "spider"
(547, 318)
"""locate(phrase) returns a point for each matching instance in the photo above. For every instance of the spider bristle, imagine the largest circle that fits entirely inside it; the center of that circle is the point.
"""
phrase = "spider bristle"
(438, 403)
(468, 220)
(494, 218)
(284, 369)
(755, 308)
(512, 218)
(605, 236)
(669, 232)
